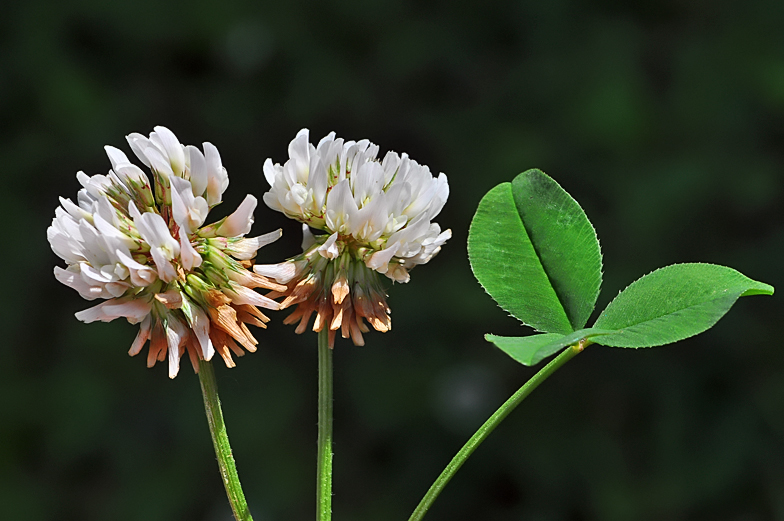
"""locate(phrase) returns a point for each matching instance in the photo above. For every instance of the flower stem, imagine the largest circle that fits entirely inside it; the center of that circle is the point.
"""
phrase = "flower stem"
(324, 458)
(488, 427)
(220, 440)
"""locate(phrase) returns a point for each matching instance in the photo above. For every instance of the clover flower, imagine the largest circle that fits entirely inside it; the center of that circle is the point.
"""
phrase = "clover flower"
(145, 251)
(377, 217)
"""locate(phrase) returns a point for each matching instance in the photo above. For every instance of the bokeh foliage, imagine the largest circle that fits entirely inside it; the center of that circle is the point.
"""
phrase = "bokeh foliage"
(663, 118)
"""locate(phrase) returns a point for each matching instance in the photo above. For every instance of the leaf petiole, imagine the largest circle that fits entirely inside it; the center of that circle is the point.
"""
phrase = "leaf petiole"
(490, 425)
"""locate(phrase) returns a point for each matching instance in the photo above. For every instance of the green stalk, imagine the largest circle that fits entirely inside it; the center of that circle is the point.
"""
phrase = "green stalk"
(488, 427)
(324, 458)
(220, 440)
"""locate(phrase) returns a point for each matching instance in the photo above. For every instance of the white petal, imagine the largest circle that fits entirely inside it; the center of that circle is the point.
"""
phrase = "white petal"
(189, 257)
(242, 295)
(111, 233)
(144, 277)
(65, 245)
(95, 185)
(198, 170)
(299, 149)
(371, 220)
(130, 173)
(92, 275)
(308, 239)
(163, 247)
(329, 249)
(158, 163)
(72, 209)
(200, 324)
(134, 310)
(413, 230)
(398, 273)
(217, 178)
(72, 279)
(271, 199)
(245, 249)
(341, 208)
(173, 149)
(282, 273)
(270, 173)
(153, 229)
(133, 211)
(239, 223)
(318, 181)
(116, 156)
(138, 144)
(117, 289)
(367, 182)
(180, 210)
(166, 271)
(379, 261)
(141, 275)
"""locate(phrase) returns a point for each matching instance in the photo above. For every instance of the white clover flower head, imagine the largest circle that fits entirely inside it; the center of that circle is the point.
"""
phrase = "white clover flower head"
(377, 215)
(144, 250)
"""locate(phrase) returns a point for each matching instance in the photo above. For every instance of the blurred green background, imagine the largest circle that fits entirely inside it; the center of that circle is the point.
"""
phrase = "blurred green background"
(665, 119)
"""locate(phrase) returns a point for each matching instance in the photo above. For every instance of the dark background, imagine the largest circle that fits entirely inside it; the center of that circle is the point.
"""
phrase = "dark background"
(665, 119)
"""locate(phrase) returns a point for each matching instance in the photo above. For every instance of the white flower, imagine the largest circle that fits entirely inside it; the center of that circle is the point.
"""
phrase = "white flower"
(377, 215)
(143, 248)
(381, 210)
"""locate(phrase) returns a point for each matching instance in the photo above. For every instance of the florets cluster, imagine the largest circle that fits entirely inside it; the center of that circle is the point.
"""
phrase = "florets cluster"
(144, 249)
(377, 215)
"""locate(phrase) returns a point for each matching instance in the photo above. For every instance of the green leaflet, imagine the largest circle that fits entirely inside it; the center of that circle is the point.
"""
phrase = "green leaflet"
(674, 303)
(530, 350)
(534, 251)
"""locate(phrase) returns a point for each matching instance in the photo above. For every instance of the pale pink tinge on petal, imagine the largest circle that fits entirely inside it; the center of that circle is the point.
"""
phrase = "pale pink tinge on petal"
(242, 295)
(200, 323)
(133, 310)
(73, 279)
(117, 289)
(176, 335)
(142, 336)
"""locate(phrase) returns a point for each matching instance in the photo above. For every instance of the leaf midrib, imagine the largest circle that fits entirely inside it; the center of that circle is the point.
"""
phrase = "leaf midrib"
(657, 317)
(541, 264)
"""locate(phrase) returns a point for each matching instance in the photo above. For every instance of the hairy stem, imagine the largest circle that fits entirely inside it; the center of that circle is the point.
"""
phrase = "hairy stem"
(220, 440)
(324, 458)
